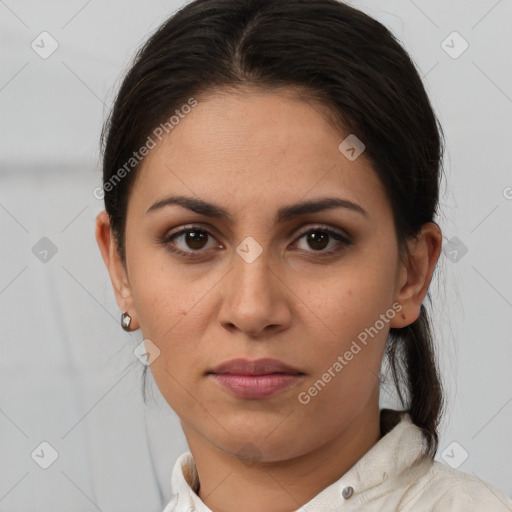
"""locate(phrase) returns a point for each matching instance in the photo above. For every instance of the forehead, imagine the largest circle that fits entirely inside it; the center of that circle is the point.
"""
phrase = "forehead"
(257, 149)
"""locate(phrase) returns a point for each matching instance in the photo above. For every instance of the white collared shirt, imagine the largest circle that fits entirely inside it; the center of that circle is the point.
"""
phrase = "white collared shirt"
(392, 476)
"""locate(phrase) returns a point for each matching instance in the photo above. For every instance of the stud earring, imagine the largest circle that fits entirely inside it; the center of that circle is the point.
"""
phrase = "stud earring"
(125, 321)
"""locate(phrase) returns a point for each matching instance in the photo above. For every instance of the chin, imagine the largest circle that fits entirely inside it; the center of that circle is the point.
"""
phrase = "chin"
(264, 445)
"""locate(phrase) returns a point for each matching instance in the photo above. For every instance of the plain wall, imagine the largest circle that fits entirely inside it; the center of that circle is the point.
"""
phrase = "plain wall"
(68, 375)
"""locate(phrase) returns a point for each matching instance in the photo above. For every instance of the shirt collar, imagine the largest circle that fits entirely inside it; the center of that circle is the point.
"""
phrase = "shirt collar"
(399, 448)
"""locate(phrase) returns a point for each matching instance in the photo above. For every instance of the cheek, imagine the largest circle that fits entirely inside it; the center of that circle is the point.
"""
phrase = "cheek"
(346, 336)
(174, 311)
(341, 305)
(161, 294)
(346, 364)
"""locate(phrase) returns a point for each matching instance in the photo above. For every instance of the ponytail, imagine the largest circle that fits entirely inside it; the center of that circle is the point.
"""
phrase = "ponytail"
(412, 358)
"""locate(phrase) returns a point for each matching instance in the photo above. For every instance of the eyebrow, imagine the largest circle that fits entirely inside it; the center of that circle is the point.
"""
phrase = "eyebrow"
(284, 213)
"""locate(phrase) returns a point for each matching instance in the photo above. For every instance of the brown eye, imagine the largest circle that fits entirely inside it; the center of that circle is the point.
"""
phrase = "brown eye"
(195, 239)
(318, 239)
(190, 242)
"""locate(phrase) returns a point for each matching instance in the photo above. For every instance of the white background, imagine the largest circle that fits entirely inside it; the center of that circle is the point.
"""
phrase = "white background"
(68, 375)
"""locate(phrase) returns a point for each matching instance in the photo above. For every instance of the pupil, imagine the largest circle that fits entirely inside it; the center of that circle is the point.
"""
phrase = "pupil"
(196, 238)
(317, 238)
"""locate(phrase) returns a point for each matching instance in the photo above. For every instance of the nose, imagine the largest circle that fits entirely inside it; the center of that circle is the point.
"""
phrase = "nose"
(255, 297)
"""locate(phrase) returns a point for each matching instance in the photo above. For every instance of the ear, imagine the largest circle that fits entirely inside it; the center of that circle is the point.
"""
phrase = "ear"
(115, 267)
(415, 273)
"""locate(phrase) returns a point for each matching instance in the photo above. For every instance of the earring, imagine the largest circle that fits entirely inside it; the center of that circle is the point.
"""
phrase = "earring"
(125, 321)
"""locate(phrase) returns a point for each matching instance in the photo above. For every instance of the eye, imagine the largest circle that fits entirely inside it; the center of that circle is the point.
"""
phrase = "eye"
(318, 239)
(193, 241)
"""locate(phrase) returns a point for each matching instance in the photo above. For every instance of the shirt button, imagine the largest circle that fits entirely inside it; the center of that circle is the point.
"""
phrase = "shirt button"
(347, 492)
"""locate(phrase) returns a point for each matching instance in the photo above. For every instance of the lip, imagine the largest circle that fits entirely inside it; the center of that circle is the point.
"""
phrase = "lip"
(263, 366)
(260, 378)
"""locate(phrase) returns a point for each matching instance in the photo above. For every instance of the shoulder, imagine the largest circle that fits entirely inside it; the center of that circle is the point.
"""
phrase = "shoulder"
(453, 490)
(171, 506)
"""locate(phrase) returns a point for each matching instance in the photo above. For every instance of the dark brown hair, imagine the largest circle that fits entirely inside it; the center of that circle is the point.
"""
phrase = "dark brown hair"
(341, 57)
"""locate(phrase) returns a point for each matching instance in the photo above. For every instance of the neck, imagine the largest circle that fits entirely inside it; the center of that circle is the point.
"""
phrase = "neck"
(227, 485)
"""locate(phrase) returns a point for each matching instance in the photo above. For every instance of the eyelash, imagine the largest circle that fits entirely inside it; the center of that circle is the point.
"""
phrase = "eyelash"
(166, 242)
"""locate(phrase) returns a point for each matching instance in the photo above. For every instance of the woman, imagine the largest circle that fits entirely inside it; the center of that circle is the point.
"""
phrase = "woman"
(271, 177)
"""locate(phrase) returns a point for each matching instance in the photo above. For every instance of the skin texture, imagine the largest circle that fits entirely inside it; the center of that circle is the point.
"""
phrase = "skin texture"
(251, 153)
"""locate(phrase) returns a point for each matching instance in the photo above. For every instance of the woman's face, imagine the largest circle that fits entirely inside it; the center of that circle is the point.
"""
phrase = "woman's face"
(255, 284)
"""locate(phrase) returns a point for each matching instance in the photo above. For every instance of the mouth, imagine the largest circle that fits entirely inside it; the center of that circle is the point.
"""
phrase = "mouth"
(256, 379)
